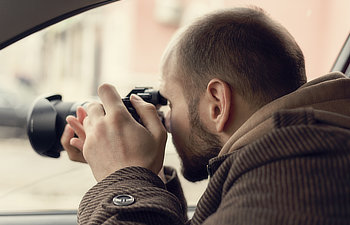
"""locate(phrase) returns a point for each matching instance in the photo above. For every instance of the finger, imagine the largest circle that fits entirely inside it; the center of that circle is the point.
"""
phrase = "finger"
(110, 98)
(81, 114)
(74, 154)
(94, 110)
(148, 115)
(77, 126)
(67, 134)
(77, 143)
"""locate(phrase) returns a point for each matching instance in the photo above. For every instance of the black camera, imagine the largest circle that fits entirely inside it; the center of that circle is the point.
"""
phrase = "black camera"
(47, 118)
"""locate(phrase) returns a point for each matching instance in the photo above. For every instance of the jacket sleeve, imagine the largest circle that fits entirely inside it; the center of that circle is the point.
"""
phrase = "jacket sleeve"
(134, 195)
(173, 185)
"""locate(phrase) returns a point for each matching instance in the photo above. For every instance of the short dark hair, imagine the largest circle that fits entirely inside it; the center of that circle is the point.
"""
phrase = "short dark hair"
(245, 48)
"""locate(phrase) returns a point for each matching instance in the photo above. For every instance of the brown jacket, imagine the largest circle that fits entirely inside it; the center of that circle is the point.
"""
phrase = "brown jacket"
(288, 164)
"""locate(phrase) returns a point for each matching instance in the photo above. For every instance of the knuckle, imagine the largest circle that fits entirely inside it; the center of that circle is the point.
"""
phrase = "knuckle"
(93, 105)
(65, 142)
(65, 146)
(64, 139)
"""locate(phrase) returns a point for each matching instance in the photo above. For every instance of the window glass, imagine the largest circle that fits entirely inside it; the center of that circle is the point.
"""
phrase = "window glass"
(120, 43)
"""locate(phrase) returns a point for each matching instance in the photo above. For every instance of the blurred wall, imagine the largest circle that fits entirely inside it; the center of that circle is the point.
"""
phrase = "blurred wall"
(122, 43)
(319, 26)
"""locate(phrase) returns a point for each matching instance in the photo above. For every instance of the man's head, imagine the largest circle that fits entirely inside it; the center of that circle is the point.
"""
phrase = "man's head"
(225, 66)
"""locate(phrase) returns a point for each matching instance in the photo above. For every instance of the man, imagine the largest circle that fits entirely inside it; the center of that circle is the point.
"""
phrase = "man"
(276, 149)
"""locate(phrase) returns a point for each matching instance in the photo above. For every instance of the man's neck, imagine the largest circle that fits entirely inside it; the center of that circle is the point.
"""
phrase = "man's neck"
(241, 113)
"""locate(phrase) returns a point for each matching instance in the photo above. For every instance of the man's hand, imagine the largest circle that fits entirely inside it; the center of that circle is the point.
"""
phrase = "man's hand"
(71, 144)
(112, 139)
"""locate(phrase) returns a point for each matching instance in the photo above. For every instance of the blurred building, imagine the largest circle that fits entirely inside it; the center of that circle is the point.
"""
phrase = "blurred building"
(122, 42)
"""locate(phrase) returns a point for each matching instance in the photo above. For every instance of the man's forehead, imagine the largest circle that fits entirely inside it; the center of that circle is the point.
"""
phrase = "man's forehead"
(170, 77)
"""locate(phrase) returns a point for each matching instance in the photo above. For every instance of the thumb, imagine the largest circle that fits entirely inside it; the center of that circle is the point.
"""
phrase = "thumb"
(148, 115)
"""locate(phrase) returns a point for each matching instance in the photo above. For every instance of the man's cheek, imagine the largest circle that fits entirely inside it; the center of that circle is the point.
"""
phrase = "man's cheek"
(175, 131)
(167, 119)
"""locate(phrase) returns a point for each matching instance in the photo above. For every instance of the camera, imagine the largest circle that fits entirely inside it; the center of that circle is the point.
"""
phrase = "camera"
(47, 118)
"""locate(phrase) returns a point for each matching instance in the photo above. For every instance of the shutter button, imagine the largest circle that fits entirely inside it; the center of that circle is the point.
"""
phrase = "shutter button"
(123, 200)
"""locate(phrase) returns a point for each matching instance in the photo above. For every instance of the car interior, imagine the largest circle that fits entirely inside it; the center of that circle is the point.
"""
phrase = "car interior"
(61, 50)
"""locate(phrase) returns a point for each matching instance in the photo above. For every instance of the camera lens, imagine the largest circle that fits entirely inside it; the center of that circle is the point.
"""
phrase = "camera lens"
(47, 119)
(46, 122)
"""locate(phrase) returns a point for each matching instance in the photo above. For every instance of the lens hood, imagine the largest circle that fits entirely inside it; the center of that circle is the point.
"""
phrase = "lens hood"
(45, 124)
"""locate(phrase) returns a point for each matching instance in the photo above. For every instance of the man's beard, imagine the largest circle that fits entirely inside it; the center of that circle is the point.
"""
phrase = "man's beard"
(200, 147)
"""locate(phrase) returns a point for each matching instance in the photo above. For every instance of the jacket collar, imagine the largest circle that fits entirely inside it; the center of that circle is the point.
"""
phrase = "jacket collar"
(330, 93)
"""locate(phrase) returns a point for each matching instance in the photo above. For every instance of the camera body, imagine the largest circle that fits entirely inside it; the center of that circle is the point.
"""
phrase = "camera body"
(147, 94)
(47, 118)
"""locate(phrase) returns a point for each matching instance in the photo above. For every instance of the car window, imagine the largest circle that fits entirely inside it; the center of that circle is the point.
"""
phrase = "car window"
(122, 44)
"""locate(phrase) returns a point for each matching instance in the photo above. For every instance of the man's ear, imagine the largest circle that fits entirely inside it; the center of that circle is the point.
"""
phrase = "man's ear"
(219, 94)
